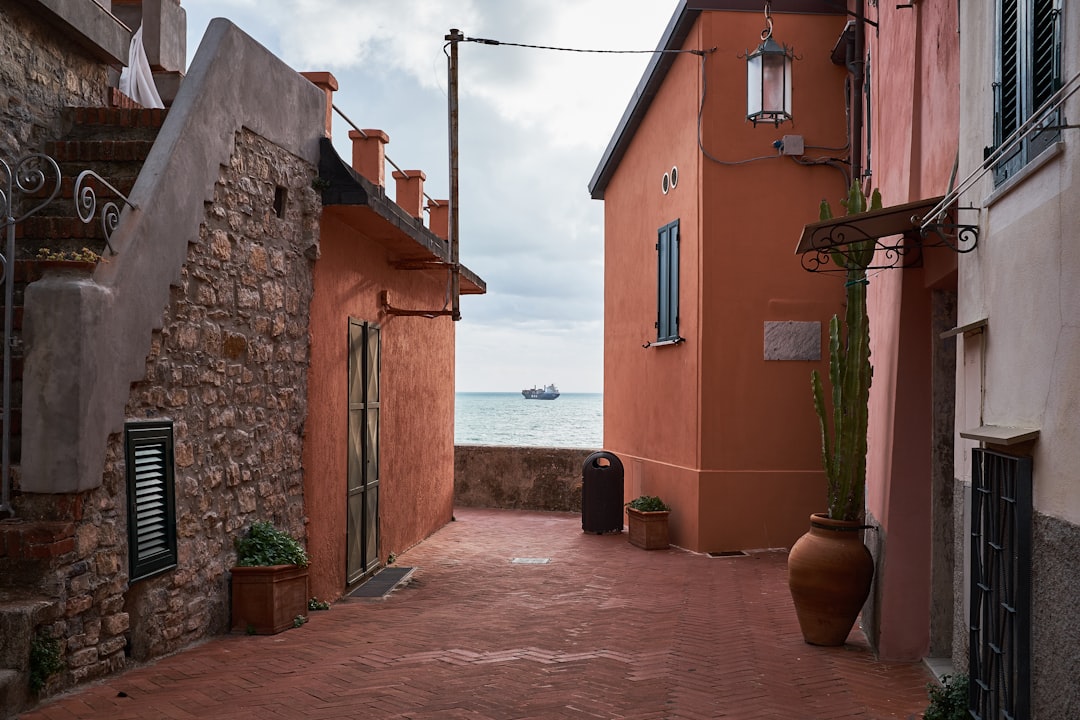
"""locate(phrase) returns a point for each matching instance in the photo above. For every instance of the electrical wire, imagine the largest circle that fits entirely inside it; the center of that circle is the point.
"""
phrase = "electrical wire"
(488, 41)
(701, 143)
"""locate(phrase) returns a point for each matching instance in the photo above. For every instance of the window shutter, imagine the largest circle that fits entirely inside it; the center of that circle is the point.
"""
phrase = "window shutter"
(1011, 63)
(1045, 71)
(151, 498)
(1028, 75)
(667, 251)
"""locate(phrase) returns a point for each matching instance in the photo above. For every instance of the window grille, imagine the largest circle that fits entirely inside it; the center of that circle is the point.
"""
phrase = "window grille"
(999, 647)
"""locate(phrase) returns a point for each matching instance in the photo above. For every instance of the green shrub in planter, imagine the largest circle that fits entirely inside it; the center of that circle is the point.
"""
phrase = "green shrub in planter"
(647, 503)
(265, 545)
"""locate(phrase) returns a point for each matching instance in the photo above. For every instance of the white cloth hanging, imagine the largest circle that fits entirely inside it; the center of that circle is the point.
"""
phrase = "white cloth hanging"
(137, 80)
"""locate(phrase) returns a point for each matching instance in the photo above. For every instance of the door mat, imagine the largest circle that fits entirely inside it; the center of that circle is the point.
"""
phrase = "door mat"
(382, 583)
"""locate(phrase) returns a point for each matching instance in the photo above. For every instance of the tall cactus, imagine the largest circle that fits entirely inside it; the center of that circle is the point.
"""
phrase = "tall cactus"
(843, 446)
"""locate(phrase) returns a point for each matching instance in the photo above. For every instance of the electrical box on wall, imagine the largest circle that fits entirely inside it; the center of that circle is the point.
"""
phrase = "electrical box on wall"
(792, 145)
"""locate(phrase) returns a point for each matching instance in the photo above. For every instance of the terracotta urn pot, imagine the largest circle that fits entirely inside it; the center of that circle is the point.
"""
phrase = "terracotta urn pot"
(829, 574)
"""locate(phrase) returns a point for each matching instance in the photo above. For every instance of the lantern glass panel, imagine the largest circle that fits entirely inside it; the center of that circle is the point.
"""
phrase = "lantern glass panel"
(774, 94)
(753, 85)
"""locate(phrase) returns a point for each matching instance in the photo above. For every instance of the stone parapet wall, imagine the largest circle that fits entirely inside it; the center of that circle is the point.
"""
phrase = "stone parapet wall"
(519, 478)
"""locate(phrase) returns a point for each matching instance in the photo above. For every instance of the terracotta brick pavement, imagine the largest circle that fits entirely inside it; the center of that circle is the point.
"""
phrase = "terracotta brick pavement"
(603, 630)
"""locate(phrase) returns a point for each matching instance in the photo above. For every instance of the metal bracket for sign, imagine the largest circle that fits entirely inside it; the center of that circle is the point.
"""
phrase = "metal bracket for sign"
(36, 177)
(901, 250)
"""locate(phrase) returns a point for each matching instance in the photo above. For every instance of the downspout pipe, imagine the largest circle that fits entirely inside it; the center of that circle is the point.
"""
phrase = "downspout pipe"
(857, 68)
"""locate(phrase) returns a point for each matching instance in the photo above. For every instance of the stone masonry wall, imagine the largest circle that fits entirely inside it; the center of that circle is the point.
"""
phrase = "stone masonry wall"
(229, 368)
(41, 72)
(519, 478)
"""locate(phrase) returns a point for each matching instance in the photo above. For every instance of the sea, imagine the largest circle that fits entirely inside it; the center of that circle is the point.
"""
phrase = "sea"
(572, 420)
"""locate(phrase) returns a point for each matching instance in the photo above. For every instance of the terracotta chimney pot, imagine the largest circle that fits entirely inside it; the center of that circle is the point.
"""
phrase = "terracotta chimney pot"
(410, 191)
(369, 154)
(439, 218)
(328, 84)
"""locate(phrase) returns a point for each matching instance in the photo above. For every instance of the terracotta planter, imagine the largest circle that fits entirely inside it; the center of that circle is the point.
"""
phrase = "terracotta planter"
(266, 600)
(829, 574)
(648, 530)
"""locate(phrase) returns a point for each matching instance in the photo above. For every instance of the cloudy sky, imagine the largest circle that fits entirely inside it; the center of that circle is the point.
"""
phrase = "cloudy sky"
(533, 126)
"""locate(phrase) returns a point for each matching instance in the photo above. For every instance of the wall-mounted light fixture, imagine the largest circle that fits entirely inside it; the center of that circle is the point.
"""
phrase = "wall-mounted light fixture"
(768, 78)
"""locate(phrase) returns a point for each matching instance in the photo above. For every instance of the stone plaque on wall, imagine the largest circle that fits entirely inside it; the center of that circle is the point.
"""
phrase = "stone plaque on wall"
(792, 340)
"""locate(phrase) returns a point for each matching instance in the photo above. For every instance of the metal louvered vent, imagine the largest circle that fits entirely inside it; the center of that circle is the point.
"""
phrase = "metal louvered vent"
(151, 501)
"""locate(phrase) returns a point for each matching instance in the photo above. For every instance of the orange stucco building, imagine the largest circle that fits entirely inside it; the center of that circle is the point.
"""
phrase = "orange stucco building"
(378, 440)
(707, 369)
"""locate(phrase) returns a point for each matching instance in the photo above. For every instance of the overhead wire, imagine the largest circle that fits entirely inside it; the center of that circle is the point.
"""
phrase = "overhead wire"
(488, 41)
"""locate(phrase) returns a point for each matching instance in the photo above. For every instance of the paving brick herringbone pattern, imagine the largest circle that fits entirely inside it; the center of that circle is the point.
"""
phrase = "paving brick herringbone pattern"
(603, 630)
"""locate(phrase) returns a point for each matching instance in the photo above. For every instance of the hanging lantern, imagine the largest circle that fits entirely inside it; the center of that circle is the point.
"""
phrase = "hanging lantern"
(768, 78)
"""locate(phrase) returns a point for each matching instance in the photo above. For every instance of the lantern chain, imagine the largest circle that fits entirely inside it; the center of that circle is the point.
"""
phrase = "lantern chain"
(767, 32)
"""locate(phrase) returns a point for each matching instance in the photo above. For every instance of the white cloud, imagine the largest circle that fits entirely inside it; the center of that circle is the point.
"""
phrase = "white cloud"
(534, 124)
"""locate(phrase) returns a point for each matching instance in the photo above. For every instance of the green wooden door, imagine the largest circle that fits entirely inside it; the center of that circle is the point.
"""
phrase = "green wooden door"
(363, 468)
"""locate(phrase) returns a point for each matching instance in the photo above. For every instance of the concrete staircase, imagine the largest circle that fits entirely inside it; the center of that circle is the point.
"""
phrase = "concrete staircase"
(113, 142)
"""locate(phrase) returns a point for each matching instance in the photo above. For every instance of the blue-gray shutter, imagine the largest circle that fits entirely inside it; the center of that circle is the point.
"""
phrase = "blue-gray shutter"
(667, 251)
(151, 498)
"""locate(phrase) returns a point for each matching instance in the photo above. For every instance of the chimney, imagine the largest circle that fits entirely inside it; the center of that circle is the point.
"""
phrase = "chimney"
(410, 191)
(439, 218)
(328, 84)
(369, 154)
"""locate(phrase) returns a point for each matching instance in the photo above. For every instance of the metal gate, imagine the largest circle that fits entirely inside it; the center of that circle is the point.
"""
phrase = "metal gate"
(999, 663)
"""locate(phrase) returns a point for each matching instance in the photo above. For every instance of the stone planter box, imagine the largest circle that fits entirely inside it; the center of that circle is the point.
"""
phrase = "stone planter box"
(648, 530)
(266, 600)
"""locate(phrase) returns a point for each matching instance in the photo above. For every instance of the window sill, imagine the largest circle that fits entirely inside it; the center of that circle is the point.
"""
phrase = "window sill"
(1045, 157)
(660, 343)
(1000, 434)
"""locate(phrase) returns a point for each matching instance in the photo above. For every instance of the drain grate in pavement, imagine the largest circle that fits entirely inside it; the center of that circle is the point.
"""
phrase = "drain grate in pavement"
(728, 553)
(382, 582)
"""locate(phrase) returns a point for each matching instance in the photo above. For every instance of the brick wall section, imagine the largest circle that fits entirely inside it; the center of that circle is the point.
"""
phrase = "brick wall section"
(229, 367)
(41, 73)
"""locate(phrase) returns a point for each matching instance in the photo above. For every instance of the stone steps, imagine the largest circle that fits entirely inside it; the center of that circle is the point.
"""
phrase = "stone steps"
(20, 620)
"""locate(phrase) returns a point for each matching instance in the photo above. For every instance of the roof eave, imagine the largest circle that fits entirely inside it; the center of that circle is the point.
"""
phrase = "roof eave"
(678, 28)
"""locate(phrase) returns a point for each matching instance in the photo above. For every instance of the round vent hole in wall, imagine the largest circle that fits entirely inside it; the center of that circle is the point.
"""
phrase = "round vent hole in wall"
(674, 176)
(665, 184)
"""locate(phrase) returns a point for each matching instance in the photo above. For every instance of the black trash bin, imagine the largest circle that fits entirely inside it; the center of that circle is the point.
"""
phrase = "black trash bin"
(602, 493)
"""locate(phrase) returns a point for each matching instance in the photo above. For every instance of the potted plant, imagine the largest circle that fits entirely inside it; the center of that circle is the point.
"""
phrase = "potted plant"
(47, 260)
(647, 518)
(829, 568)
(948, 699)
(269, 581)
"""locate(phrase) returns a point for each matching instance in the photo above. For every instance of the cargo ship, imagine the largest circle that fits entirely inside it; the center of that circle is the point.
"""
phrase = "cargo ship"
(548, 392)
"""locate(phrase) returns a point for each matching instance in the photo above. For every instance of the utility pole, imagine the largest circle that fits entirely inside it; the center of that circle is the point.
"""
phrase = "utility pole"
(453, 39)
